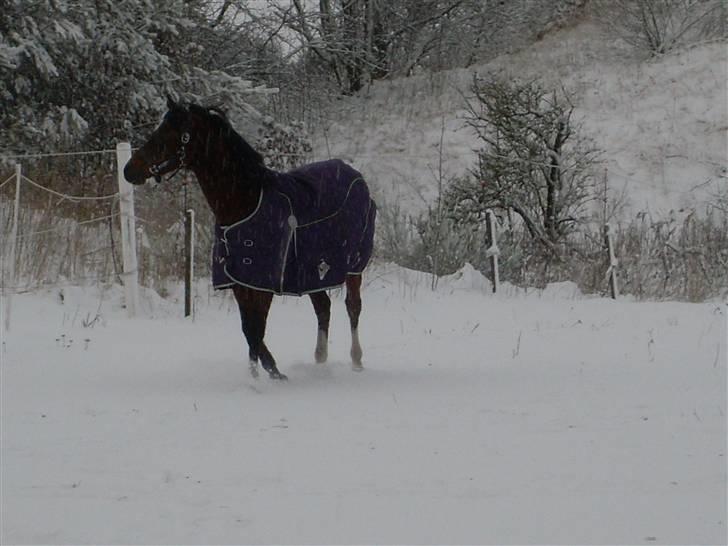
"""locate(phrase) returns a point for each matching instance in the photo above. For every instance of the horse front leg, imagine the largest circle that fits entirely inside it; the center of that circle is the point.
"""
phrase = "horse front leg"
(322, 308)
(254, 306)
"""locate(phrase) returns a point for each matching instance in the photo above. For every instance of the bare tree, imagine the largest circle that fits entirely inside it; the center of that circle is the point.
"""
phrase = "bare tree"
(659, 26)
(534, 161)
(364, 40)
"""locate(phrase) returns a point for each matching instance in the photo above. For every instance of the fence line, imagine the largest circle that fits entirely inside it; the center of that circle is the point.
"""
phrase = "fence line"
(75, 224)
(613, 167)
(71, 197)
(12, 177)
(53, 154)
(614, 170)
(28, 287)
(41, 155)
(142, 220)
(38, 269)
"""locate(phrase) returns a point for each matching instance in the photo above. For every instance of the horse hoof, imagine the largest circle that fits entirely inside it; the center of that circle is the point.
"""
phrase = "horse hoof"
(254, 370)
(357, 366)
(278, 376)
(321, 355)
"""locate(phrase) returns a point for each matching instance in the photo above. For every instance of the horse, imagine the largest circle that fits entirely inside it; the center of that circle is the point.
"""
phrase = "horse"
(301, 232)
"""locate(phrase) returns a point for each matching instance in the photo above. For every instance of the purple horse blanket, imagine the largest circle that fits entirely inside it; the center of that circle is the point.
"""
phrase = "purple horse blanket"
(312, 227)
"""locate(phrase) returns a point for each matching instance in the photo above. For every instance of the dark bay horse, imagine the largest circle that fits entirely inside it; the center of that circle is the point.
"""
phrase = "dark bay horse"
(300, 232)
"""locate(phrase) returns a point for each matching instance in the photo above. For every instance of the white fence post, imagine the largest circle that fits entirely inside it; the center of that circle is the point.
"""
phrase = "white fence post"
(493, 251)
(13, 248)
(128, 231)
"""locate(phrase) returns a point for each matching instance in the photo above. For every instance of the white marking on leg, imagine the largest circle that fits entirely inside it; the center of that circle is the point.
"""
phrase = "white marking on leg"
(356, 352)
(253, 366)
(322, 347)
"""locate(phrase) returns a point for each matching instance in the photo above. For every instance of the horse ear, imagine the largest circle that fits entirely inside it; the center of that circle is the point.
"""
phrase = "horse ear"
(171, 105)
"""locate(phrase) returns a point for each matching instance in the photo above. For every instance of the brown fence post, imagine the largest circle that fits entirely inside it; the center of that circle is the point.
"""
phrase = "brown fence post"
(189, 259)
(492, 252)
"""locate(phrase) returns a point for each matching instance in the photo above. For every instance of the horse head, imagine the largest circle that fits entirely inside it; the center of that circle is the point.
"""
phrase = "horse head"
(172, 145)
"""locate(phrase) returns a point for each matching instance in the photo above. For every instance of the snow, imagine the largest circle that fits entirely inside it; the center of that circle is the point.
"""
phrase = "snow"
(662, 124)
(523, 417)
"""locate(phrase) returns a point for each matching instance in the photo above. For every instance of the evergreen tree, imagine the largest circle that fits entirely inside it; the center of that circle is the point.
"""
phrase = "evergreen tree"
(86, 73)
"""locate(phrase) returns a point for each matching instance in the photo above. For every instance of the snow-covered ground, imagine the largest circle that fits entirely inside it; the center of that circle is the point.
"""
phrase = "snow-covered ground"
(527, 417)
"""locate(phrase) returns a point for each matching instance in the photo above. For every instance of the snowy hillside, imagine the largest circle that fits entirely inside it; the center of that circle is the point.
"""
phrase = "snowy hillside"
(526, 418)
(662, 124)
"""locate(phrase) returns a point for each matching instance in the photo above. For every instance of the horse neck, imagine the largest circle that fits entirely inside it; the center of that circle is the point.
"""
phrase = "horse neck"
(231, 188)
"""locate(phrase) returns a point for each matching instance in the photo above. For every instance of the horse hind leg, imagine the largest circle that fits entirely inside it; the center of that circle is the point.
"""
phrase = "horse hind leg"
(253, 363)
(322, 307)
(353, 308)
(253, 357)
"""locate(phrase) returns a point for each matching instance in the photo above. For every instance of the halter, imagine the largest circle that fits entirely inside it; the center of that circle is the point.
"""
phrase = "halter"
(178, 160)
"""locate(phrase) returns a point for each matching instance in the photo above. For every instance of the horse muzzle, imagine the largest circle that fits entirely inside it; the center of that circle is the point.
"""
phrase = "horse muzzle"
(134, 174)
(169, 165)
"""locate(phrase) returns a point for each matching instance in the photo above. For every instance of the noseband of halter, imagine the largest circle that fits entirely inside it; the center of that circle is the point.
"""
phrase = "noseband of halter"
(177, 161)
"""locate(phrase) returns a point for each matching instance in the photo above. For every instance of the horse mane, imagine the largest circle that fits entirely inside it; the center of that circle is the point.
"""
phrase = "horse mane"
(240, 149)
